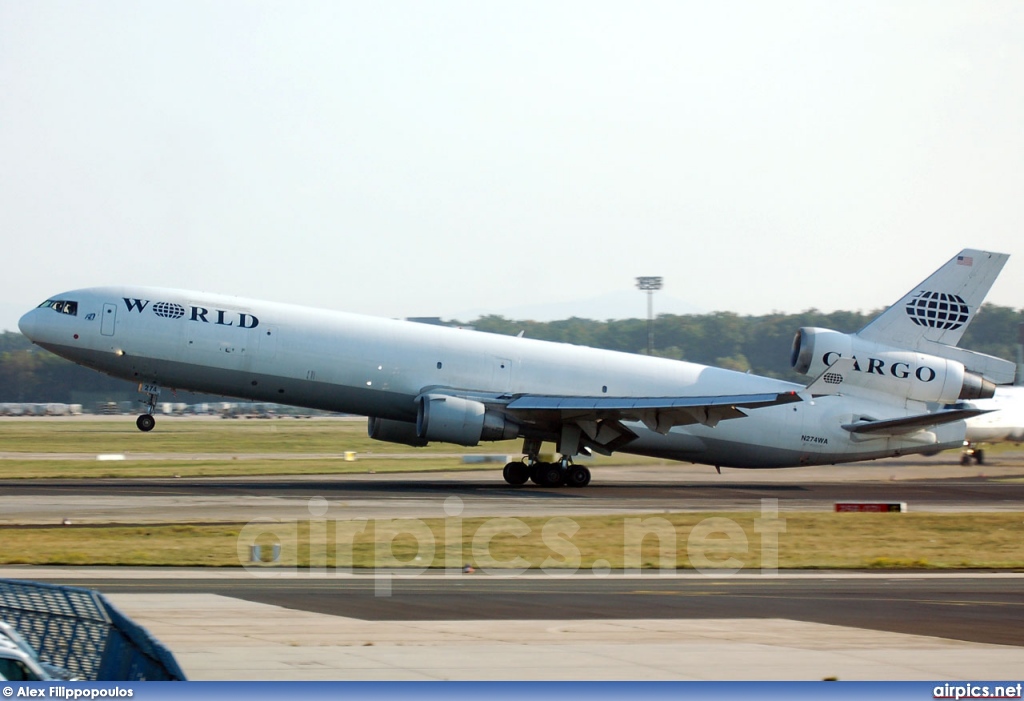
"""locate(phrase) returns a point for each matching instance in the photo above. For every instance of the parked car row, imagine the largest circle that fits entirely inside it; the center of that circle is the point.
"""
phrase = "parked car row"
(39, 409)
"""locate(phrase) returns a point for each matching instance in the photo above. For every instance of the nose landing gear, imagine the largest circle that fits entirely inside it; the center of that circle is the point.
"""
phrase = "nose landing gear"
(146, 421)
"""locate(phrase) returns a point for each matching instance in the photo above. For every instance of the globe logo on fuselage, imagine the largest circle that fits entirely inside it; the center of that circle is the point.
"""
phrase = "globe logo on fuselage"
(168, 310)
(938, 310)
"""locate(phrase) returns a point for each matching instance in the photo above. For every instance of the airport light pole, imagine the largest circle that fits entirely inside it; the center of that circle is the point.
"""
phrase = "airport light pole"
(1019, 378)
(649, 285)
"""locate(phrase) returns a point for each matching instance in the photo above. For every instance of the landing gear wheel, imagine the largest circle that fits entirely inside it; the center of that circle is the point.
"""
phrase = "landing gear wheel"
(516, 473)
(979, 456)
(577, 476)
(547, 474)
(145, 422)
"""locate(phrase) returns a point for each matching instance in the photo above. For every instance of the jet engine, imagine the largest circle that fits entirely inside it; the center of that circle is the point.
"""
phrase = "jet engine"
(909, 374)
(460, 421)
(390, 431)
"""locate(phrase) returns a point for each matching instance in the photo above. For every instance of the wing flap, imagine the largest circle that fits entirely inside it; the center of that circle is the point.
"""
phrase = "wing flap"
(542, 402)
(657, 413)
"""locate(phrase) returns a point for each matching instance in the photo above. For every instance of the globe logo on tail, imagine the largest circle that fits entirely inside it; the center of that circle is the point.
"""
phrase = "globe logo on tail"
(938, 310)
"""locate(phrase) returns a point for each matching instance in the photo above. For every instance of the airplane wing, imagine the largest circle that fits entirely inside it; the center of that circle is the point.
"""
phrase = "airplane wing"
(671, 411)
(911, 424)
(600, 419)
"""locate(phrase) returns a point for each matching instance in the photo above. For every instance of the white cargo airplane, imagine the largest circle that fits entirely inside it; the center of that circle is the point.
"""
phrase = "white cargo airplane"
(1004, 423)
(420, 383)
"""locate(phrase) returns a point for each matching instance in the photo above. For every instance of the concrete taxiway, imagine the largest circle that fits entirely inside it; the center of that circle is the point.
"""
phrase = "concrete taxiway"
(229, 625)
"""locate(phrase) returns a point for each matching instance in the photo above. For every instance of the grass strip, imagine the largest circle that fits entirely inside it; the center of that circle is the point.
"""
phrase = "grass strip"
(182, 435)
(655, 541)
(91, 469)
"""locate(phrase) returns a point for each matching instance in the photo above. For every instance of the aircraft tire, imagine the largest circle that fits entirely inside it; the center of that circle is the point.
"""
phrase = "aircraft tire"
(577, 476)
(979, 456)
(145, 422)
(516, 473)
(547, 474)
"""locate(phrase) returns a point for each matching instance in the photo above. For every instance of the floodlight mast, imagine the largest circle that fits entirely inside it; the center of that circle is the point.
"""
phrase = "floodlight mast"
(649, 285)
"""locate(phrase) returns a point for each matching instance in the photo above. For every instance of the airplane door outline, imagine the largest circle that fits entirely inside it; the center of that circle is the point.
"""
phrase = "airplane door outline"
(267, 343)
(108, 319)
(502, 374)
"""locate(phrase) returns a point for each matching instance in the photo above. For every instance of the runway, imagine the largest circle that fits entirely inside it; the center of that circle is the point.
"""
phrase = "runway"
(925, 485)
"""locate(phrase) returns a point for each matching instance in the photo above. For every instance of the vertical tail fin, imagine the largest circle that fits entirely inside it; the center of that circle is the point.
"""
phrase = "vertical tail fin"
(939, 309)
(933, 317)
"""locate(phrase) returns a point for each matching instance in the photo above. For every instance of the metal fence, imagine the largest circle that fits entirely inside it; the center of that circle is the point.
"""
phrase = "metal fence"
(80, 630)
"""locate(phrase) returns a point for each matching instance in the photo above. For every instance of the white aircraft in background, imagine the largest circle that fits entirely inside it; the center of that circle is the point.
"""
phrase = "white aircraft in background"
(420, 383)
(1004, 423)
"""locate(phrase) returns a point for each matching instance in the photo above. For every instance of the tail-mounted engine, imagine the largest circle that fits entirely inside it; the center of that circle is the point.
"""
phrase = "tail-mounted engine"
(909, 374)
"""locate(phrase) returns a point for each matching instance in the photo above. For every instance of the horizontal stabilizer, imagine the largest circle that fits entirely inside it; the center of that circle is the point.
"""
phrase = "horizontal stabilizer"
(997, 370)
(831, 380)
(912, 424)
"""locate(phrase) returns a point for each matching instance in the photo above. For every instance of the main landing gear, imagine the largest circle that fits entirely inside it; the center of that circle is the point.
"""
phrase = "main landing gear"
(547, 474)
(972, 453)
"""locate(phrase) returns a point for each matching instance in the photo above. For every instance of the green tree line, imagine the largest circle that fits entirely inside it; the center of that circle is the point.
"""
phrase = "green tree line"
(759, 344)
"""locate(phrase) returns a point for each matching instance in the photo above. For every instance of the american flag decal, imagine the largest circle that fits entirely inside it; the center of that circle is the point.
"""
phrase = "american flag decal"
(964, 260)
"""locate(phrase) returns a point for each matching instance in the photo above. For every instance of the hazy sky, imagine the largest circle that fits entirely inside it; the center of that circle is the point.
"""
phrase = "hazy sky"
(440, 158)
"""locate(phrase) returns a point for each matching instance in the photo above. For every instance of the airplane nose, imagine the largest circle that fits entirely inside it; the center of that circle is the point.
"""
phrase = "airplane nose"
(29, 324)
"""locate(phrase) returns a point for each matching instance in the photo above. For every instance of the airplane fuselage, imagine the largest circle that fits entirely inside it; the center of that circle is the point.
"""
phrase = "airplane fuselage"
(376, 367)
(1005, 423)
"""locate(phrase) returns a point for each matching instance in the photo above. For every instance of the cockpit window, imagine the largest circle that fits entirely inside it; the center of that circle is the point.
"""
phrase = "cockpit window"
(61, 305)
